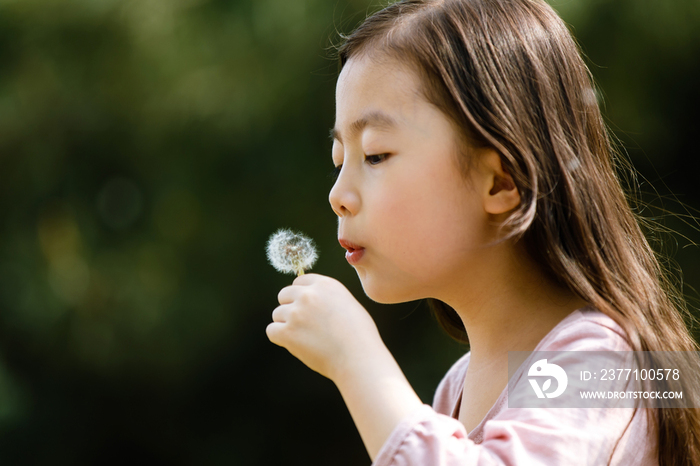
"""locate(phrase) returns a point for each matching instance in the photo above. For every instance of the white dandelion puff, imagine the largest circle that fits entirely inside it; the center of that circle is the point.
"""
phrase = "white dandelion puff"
(291, 252)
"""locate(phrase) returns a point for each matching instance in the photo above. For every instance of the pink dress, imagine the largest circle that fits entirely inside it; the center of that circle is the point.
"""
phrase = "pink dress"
(432, 436)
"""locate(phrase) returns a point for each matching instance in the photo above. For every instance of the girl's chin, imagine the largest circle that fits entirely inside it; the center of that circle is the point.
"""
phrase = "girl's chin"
(382, 293)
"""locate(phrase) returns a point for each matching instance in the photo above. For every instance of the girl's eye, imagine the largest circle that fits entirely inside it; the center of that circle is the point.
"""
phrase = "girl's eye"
(375, 159)
(336, 172)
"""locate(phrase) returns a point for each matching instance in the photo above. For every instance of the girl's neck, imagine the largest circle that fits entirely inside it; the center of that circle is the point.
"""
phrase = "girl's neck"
(510, 305)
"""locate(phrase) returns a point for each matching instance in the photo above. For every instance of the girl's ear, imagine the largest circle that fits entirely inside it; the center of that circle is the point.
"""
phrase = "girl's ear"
(501, 194)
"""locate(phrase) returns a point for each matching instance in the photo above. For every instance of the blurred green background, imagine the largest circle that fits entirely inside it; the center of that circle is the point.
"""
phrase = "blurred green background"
(148, 148)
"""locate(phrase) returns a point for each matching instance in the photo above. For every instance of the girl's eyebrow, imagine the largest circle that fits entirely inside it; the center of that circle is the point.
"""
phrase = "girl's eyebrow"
(375, 118)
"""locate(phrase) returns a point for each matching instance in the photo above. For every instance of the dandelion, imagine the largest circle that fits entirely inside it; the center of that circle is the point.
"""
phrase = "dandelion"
(291, 252)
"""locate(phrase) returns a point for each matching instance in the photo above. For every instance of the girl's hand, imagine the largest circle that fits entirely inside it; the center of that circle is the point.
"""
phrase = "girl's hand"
(323, 325)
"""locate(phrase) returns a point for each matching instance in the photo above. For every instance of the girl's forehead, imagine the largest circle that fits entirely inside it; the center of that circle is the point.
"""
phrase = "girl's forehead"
(366, 85)
(365, 75)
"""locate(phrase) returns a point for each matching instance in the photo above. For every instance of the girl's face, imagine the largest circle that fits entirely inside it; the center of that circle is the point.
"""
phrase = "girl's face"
(410, 220)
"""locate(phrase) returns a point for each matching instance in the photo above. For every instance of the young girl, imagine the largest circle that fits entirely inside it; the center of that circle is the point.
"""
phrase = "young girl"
(474, 170)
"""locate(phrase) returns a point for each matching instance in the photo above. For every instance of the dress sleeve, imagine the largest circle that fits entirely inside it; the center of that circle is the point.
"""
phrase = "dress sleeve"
(427, 437)
(566, 436)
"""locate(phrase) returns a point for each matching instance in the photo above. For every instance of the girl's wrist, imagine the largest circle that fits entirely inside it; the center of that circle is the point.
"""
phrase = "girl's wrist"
(369, 359)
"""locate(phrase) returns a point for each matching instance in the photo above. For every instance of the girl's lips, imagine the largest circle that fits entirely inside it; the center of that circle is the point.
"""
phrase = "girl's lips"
(354, 251)
(353, 256)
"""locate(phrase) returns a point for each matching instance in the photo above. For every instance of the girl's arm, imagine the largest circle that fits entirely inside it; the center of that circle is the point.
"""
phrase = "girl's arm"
(378, 397)
(322, 324)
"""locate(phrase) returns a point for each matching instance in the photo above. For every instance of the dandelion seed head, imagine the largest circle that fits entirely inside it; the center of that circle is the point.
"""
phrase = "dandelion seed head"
(291, 252)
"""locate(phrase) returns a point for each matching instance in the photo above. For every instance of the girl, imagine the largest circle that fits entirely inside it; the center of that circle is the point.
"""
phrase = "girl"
(474, 169)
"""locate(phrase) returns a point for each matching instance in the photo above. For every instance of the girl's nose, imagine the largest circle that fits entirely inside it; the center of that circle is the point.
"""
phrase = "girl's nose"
(344, 198)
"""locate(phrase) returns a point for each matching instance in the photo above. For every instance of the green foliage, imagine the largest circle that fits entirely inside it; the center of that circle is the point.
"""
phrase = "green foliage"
(148, 148)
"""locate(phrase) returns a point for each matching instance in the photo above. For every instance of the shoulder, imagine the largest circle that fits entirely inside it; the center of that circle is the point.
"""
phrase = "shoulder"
(586, 329)
(451, 386)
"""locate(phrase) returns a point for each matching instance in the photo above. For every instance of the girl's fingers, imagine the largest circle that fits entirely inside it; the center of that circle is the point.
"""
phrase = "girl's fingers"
(273, 332)
(287, 295)
(280, 314)
(292, 292)
(306, 279)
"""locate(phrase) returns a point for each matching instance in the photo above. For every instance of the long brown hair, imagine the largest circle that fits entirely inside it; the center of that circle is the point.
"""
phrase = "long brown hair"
(510, 76)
